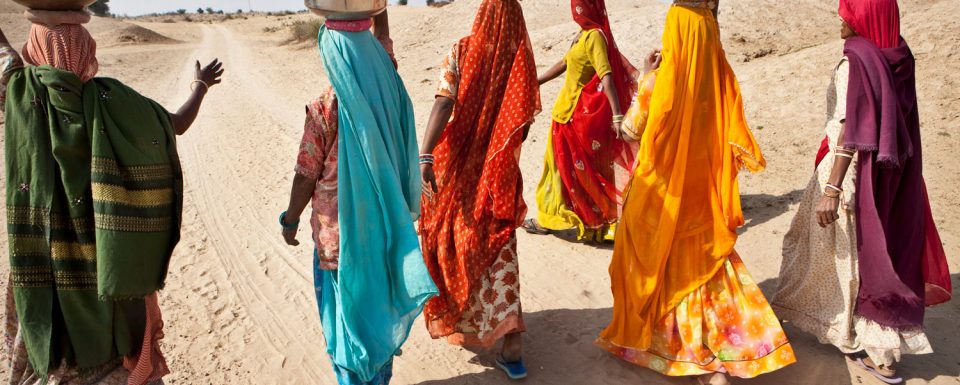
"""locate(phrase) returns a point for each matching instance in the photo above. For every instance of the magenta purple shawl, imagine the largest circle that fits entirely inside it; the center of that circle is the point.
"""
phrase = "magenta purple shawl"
(883, 124)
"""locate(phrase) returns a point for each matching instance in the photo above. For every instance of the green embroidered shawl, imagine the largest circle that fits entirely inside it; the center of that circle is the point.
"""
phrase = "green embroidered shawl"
(94, 197)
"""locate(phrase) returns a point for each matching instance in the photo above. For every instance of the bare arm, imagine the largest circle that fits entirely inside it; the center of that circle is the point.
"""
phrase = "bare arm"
(830, 200)
(381, 26)
(300, 195)
(442, 109)
(553, 72)
(187, 114)
(610, 89)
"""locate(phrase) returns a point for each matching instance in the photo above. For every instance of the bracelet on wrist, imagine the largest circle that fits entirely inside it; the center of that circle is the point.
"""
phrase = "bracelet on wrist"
(285, 225)
(206, 87)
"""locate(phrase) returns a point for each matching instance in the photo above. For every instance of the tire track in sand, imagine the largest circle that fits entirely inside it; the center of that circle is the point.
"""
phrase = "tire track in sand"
(235, 192)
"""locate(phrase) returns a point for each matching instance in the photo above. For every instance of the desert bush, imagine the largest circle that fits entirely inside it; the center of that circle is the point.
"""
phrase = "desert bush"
(303, 30)
(181, 11)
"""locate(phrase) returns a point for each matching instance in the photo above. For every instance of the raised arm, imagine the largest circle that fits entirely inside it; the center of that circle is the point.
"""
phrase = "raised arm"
(553, 72)
(206, 77)
(381, 31)
(381, 26)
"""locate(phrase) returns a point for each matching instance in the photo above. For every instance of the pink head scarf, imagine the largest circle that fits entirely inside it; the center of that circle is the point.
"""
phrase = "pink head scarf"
(57, 39)
(875, 20)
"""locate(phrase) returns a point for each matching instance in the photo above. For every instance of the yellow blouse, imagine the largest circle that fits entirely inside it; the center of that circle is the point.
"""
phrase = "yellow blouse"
(587, 57)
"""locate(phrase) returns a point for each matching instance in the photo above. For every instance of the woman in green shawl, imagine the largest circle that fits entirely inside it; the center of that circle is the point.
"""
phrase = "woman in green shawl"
(94, 197)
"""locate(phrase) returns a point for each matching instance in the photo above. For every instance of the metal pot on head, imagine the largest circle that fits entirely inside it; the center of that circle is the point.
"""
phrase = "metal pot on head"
(346, 9)
(56, 5)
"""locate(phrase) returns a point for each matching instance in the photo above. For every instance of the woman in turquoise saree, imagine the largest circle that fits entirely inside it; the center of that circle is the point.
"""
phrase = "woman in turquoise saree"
(358, 162)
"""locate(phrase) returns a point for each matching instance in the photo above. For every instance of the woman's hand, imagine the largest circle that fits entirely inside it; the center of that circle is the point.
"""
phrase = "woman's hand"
(827, 210)
(290, 236)
(428, 180)
(211, 73)
(653, 61)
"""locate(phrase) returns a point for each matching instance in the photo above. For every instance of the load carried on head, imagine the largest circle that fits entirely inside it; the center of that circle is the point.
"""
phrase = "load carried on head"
(60, 5)
(345, 9)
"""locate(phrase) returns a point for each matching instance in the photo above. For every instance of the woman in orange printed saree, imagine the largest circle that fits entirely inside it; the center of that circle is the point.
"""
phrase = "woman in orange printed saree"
(474, 195)
(684, 304)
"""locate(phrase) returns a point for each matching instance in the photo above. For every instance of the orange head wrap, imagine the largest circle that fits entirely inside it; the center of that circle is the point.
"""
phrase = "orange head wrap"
(68, 46)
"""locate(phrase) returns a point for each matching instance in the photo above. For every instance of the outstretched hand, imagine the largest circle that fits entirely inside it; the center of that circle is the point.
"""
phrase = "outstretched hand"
(211, 73)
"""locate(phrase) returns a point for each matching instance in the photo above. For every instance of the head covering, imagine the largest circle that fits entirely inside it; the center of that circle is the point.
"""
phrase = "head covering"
(480, 194)
(875, 20)
(68, 47)
(592, 14)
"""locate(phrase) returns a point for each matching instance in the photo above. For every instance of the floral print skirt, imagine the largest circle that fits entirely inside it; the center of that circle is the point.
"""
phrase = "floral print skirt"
(725, 326)
(494, 310)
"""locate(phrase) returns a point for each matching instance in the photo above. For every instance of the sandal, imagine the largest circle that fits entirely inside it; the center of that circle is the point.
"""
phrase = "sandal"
(515, 370)
(881, 372)
(532, 227)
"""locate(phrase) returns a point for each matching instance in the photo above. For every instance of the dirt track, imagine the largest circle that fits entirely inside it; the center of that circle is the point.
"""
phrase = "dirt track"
(239, 305)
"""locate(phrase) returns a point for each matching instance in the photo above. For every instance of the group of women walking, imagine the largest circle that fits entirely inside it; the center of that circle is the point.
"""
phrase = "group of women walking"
(648, 159)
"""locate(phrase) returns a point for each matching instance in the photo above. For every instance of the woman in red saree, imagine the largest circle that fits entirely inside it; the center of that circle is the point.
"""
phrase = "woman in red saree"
(587, 163)
(473, 186)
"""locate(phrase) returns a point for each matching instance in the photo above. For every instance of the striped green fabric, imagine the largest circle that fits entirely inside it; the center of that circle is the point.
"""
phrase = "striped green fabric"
(94, 198)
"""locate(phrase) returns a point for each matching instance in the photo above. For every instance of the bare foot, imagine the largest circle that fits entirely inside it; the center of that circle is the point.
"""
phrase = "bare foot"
(512, 350)
(713, 379)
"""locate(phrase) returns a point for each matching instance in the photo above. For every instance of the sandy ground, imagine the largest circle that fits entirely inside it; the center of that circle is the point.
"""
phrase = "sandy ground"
(239, 304)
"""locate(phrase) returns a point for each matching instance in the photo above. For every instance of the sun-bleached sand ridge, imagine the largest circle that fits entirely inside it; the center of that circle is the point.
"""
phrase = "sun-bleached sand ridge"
(239, 304)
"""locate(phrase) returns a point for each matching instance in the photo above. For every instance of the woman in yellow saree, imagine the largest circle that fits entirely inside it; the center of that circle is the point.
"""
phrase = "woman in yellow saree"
(684, 303)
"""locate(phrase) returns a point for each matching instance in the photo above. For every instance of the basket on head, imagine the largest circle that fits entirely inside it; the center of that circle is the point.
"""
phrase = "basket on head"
(346, 9)
(55, 5)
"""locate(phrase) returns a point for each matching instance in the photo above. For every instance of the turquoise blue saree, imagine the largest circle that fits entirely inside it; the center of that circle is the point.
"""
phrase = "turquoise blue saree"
(369, 304)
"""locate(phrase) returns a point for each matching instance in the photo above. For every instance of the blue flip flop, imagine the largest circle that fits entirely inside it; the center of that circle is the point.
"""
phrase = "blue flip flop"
(515, 370)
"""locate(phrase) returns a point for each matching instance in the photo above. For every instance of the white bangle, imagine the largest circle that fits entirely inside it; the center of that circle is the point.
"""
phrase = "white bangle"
(206, 87)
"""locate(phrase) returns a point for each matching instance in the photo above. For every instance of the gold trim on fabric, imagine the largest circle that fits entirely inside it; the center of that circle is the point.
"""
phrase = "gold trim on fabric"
(747, 159)
(132, 173)
(138, 198)
(58, 250)
(36, 216)
(30, 276)
(27, 245)
(76, 280)
(73, 250)
(132, 224)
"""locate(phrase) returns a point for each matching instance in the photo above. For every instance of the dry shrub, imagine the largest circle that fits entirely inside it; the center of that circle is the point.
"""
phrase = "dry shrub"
(304, 30)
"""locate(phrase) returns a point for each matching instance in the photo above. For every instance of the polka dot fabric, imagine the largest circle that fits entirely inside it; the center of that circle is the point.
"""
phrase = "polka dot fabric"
(479, 204)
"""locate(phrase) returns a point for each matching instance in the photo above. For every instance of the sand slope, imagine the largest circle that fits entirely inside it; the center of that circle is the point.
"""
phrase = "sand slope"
(239, 303)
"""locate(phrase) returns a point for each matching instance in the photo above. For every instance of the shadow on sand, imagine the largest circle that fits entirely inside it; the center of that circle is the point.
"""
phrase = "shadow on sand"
(559, 350)
(761, 208)
(941, 329)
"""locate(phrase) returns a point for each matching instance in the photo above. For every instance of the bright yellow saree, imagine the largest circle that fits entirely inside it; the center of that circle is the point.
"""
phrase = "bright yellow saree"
(679, 222)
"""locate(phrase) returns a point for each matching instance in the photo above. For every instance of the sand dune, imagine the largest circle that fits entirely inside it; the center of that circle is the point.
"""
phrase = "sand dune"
(239, 305)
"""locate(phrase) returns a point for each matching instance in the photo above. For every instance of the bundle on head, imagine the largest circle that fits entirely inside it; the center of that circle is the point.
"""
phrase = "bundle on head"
(58, 39)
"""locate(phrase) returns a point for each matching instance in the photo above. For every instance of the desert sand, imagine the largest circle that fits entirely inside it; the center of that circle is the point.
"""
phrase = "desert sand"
(239, 304)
